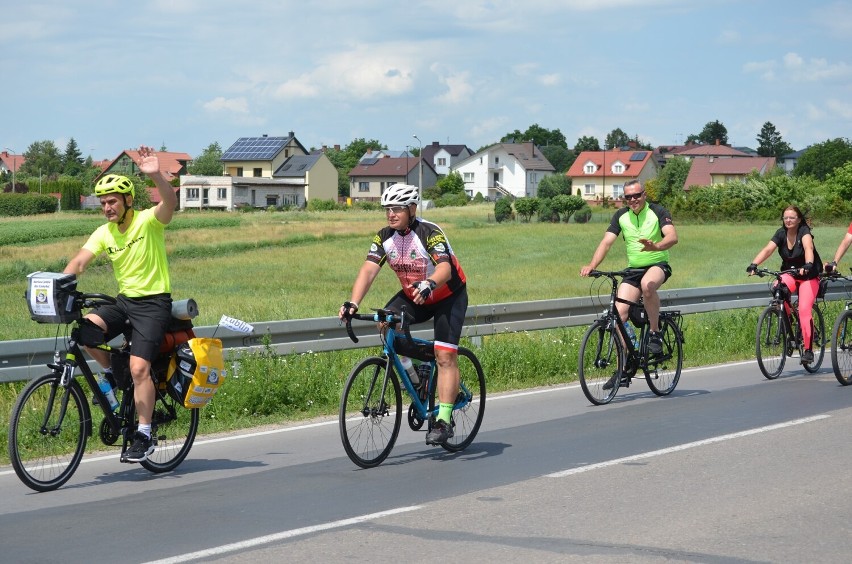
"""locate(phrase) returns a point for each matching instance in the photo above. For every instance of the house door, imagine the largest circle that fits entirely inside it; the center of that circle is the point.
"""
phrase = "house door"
(205, 197)
(496, 179)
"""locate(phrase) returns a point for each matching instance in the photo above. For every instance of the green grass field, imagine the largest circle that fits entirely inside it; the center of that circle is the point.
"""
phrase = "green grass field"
(295, 265)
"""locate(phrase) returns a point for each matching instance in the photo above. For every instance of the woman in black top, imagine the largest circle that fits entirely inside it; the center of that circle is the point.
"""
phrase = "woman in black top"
(795, 245)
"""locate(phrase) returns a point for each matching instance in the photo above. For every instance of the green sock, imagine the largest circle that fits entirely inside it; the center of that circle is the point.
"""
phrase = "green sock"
(445, 412)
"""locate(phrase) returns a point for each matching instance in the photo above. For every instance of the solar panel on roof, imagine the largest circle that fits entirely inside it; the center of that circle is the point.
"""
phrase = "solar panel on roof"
(254, 148)
(638, 156)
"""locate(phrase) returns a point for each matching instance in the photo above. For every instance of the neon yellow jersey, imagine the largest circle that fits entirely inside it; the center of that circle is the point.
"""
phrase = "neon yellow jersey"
(138, 255)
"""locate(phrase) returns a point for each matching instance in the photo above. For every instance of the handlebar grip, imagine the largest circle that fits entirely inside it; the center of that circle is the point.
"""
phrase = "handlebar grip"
(348, 316)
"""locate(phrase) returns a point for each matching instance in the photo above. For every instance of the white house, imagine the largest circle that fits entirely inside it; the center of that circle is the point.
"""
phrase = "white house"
(504, 169)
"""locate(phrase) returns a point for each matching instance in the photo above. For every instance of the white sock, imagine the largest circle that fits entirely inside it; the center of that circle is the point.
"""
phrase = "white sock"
(145, 429)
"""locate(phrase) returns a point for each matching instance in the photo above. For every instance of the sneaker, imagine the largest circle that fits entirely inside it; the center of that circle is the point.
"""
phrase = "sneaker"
(655, 343)
(807, 357)
(139, 450)
(611, 382)
(441, 431)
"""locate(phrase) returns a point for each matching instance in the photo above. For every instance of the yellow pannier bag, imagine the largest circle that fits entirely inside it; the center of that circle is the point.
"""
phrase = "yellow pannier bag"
(196, 371)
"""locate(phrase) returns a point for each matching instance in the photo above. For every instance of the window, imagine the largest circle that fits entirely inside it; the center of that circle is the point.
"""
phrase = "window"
(222, 193)
(442, 161)
(271, 200)
(589, 189)
(589, 168)
(468, 177)
(533, 177)
(617, 190)
(496, 161)
(363, 186)
(191, 194)
(618, 168)
(239, 171)
(258, 172)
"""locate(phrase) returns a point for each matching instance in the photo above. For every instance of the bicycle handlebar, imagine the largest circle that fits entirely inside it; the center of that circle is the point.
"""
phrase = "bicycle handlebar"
(776, 273)
(381, 316)
(613, 273)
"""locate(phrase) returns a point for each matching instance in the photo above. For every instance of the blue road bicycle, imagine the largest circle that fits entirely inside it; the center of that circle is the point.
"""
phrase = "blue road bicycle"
(371, 405)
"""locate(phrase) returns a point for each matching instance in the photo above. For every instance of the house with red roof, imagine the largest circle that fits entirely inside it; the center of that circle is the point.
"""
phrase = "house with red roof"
(602, 174)
(372, 176)
(706, 171)
(10, 162)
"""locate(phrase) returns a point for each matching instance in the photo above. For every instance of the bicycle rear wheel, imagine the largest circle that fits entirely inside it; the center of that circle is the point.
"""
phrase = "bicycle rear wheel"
(174, 427)
(663, 370)
(841, 350)
(771, 342)
(817, 341)
(470, 403)
(47, 432)
(601, 362)
(370, 412)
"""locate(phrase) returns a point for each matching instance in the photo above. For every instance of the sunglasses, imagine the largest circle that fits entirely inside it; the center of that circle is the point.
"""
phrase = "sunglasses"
(396, 210)
(635, 196)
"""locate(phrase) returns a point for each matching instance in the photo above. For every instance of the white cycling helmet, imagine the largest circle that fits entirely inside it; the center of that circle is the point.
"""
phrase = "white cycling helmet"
(401, 195)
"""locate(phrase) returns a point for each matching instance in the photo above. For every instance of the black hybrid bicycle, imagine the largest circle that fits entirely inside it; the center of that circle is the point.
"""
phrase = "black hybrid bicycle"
(52, 421)
(779, 334)
(841, 335)
(609, 359)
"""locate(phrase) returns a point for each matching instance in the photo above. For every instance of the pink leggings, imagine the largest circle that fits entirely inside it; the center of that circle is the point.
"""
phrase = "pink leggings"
(807, 296)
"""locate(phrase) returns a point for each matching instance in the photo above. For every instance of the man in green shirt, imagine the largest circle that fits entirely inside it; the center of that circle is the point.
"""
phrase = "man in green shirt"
(134, 241)
(648, 234)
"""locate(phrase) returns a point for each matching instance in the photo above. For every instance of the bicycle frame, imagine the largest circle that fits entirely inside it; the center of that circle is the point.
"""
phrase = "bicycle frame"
(633, 355)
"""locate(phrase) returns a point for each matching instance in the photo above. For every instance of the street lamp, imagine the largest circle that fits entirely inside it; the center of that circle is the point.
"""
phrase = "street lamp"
(13, 167)
(420, 166)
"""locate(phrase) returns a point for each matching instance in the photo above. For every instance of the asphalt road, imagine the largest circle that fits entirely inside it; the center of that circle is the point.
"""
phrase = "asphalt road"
(730, 468)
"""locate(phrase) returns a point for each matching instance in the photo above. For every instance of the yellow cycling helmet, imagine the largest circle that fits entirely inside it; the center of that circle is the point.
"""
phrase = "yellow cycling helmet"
(114, 183)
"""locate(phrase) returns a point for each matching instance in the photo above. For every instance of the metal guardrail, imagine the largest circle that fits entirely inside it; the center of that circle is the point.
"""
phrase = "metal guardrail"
(26, 359)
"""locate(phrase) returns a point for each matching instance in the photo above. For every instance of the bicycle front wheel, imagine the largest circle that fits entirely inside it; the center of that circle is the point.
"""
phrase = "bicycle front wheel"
(771, 342)
(841, 350)
(174, 427)
(370, 412)
(817, 341)
(601, 362)
(47, 432)
(470, 403)
(663, 370)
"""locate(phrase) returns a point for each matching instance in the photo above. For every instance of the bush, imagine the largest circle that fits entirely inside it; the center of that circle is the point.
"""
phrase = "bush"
(583, 215)
(451, 200)
(367, 206)
(546, 213)
(322, 205)
(27, 204)
(479, 198)
(503, 210)
(527, 207)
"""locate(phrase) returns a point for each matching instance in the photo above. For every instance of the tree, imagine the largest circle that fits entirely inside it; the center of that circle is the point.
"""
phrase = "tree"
(821, 159)
(538, 135)
(553, 185)
(208, 163)
(42, 158)
(72, 160)
(345, 160)
(713, 131)
(526, 207)
(671, 179)
(770, 143)
(616, 138)
(453, 183)
(587, 143)
(560, 157)
(567, 205)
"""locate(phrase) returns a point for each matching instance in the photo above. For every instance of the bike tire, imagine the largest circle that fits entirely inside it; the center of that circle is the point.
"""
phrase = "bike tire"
(771, 342)
(841, 350)
(470, 403)
(174, 427)
(45, 460)
(370, 412)
(817, 342)
(662, 371)
(601, 360)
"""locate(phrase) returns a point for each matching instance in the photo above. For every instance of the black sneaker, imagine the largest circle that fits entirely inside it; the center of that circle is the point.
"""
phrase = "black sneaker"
(807, 357)
(611, 382)
(139, 450)
(655, 342)
(441, 431)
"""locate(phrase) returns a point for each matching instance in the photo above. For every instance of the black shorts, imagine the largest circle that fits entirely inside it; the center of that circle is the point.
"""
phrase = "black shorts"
(143, 320)
(635, 278)
(448, 313)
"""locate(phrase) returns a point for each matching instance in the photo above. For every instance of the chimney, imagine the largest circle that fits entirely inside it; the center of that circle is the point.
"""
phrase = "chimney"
(717, 142)
(266, 135)
(337, 147)
(292, 134)
(435, 144)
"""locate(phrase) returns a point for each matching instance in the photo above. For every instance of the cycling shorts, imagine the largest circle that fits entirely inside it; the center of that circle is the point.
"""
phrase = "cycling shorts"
(144, 321)
(635, 278)
(448, 314)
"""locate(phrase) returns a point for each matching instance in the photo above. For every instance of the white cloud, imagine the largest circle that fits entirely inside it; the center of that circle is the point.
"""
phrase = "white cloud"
(222, 104)
(549, 79)
(839, 108)
(458, 86)
(728, 37)
(485, 128)
(814, 69)
(764, 69)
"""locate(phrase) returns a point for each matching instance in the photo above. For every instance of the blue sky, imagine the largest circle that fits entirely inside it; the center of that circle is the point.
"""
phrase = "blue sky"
(185, 73)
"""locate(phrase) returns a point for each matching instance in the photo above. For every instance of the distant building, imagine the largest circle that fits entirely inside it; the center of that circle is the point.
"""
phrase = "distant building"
(602, 174)
(504, 169)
